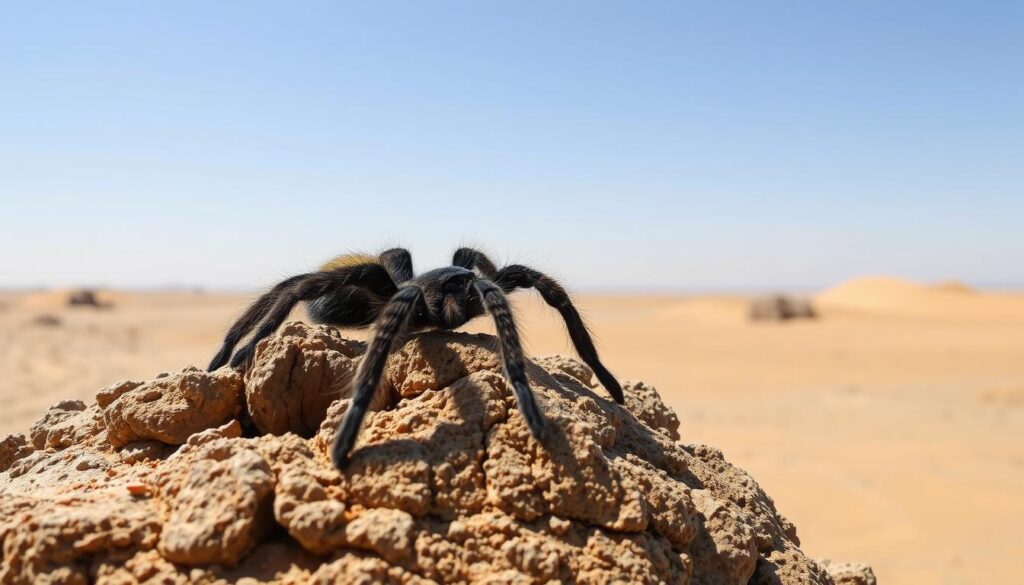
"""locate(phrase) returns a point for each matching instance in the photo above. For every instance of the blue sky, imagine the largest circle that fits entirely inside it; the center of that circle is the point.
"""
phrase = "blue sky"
(617, 145)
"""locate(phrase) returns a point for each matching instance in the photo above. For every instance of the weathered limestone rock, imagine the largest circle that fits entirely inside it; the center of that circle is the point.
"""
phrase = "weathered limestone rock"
(164, 481)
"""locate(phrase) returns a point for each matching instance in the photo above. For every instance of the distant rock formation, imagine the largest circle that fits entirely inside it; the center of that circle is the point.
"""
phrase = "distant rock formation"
(85, 298)
(197, 477)
(781, 308)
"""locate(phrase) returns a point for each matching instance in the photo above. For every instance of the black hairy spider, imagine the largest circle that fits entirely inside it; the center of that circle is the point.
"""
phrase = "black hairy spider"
(357, 291)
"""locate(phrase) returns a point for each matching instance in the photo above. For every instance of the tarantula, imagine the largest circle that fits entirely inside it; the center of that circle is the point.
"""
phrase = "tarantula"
(358, 290)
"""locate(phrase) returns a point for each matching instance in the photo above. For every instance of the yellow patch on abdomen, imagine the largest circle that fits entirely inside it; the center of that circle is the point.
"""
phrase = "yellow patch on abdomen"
(346, 260)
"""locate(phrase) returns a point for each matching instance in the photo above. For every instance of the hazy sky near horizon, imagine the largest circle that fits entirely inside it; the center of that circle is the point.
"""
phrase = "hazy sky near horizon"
(617, 145)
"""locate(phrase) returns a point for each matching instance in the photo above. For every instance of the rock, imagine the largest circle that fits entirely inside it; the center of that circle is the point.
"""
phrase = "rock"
(13, 448)
(296, 375)
(55, 541)
(142, 451)
(412, 371)
(781, 308)
(110, 393)
(85, 298)
(645, 404)
(446, 483)
(171, 408)
(218, 504)
(361, 570)
(65, 423)
(849, 573)
(229, 430)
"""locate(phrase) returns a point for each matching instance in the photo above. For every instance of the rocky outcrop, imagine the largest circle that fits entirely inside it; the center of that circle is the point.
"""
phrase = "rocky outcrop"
(170, 408)
(849, 573)
(781, 308)
(299, 373)
(86, 298)
(211, 477)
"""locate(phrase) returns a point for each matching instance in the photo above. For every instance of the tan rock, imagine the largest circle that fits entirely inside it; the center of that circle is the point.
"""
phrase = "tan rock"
(218, 504)
(110, 393)
(55, 541)
(445, 485)
(64, 424)
(296, 375)
(412, 371)
(13, 448)
(355, 569)
(172, 408)
(229, 430)
(142, 451)
(849, 573)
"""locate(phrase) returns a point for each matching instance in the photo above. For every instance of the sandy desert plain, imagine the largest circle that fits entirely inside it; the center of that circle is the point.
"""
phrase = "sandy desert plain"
(890, 430)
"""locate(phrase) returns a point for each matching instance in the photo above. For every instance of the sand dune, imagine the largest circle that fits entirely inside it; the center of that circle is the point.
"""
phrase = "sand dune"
(884, 291)
(895, 297)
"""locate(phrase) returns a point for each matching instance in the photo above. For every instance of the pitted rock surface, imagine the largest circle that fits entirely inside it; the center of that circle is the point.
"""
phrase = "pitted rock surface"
(171, 408)
(157, 482)
(296, 375)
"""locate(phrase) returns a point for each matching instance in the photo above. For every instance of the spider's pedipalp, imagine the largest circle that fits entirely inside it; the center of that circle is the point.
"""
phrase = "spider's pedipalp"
(392, 324)
(511, 353)
(475, 260)
(517, 276)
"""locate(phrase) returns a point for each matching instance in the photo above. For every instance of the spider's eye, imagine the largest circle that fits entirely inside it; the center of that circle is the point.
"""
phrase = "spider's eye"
(454, 285)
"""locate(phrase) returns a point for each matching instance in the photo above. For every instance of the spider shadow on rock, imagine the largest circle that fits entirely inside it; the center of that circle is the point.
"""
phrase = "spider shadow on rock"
(437, 442)
(434, 443)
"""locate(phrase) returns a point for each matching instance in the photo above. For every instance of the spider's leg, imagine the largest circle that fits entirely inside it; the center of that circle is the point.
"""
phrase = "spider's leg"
(511, 353)
(392, 324)
(253, 315)
(516, 276)
(474, 259)
(398, 261)
(371, 276)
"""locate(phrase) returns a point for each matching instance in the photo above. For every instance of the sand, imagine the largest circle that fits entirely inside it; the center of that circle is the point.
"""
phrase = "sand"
(891, 431)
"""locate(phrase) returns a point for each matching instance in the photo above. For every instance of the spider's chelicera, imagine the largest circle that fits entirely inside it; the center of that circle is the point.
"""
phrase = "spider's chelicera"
(358, 291)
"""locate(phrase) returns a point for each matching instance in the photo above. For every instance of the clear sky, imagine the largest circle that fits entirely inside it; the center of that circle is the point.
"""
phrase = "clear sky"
(617, 145)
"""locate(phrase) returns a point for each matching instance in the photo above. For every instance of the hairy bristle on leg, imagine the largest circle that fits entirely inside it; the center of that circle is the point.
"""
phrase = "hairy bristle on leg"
(391, 324)
(512, 354)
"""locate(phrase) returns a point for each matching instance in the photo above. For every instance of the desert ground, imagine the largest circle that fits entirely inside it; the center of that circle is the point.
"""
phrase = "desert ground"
(890, 430)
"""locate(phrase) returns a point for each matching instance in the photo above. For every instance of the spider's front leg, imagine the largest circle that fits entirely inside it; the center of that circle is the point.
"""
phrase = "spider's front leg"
(391, 324)
(473, 259)
(511, 354)
(398, 262)
(517, 276)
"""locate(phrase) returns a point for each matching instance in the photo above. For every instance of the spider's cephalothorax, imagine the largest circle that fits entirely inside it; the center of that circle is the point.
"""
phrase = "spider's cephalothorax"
(357, 291)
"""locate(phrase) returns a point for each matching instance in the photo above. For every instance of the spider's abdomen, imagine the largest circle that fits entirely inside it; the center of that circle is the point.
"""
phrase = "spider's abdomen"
(347, 260)
(348, 307)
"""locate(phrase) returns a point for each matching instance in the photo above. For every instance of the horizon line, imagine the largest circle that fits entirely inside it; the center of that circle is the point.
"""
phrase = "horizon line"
(737, 289)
